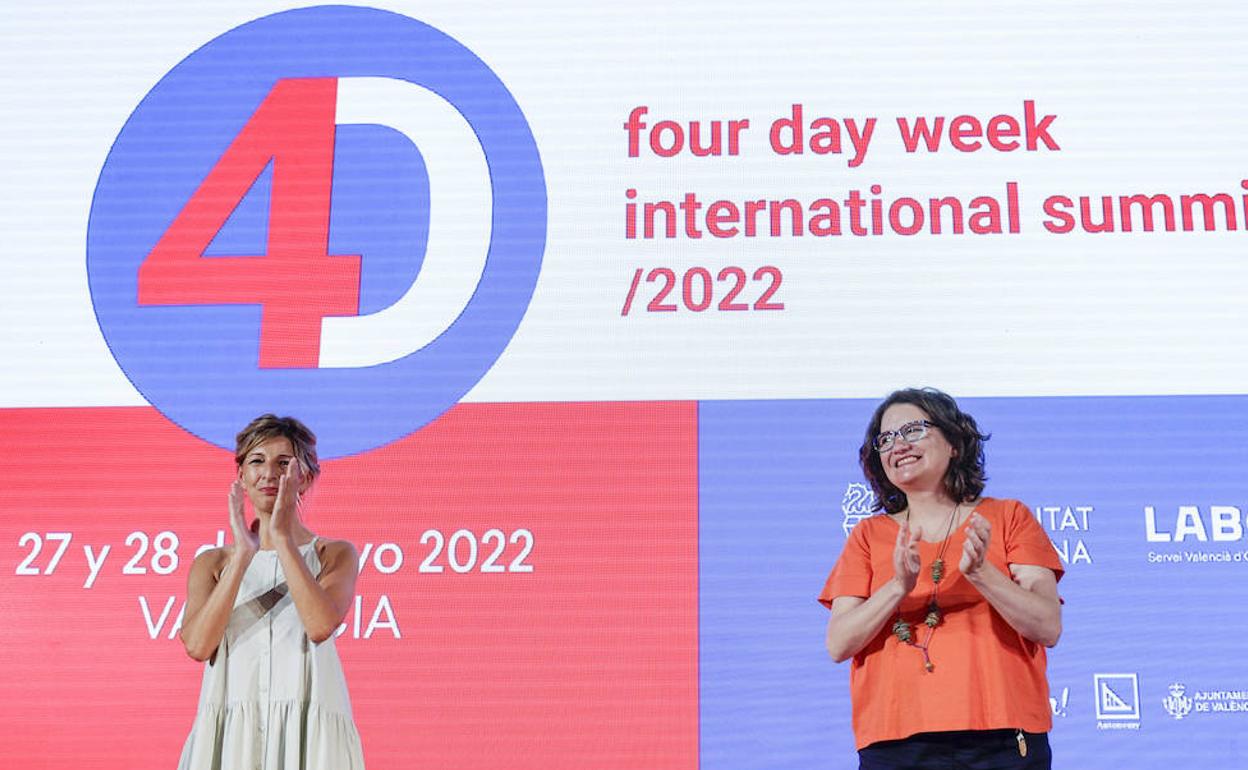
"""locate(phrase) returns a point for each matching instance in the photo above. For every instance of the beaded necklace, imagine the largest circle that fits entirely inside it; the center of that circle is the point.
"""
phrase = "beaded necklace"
(902, 629)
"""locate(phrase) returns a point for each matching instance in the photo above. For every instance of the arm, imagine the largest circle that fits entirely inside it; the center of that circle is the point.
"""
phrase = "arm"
(856, 620)
(1026, 599)
(210, 600)
(210, 596)
(321, 600)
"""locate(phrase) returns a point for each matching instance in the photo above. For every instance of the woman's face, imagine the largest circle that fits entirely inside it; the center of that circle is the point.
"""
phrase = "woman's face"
(263, 467)
(920, 465)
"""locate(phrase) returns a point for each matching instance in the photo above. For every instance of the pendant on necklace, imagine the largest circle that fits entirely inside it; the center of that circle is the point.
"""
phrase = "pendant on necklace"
(933, 615)
(901, 629)
(938, 570)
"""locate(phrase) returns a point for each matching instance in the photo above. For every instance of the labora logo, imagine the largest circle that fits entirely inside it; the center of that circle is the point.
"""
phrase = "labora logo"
(336, 212)
(1117, 701)
(1192, 534)
(1214, 523)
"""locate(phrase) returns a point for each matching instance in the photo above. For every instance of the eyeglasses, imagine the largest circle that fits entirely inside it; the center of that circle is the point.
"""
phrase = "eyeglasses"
(910, 433)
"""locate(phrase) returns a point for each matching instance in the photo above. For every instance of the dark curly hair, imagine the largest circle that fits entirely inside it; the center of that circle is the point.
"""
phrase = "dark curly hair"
(964, 480)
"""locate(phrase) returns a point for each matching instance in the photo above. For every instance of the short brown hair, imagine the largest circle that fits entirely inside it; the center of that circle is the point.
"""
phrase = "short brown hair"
(268, 426)
(965, 478)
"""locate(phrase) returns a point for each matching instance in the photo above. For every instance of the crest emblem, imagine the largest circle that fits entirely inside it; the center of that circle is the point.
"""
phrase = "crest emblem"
(1177, 704)
(856, 505)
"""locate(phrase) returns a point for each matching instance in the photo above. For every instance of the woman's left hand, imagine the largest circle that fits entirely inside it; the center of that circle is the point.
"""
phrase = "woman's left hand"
(975, 549)
(286, 507)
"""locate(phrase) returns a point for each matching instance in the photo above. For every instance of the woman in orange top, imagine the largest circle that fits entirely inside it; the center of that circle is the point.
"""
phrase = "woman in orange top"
(946, 602)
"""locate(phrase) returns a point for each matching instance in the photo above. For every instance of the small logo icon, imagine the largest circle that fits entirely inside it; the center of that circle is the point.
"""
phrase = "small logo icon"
(1177, 704)
(856, 505)
(1117, 696)
(1058, 703)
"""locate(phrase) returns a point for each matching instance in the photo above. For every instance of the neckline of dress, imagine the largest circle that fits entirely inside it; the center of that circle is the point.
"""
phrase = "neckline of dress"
(958, 530)
(300, 547)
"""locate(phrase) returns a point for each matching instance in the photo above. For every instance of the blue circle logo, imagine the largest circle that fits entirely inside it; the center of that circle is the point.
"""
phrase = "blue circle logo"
(332, 212)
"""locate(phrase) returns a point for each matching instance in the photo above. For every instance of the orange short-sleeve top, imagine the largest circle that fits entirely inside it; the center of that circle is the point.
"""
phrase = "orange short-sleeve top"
(987, 676)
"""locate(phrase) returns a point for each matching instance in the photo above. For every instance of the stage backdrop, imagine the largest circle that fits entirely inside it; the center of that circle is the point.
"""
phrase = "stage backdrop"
(590, 305)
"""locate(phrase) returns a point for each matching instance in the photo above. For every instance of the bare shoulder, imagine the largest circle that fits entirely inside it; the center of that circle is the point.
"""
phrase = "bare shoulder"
(329, 550)
(211, 561)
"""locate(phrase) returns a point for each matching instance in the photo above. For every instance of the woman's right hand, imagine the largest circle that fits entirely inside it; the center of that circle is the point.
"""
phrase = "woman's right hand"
(213, 584)
(246, 542)
(856, 620)
(906, 557)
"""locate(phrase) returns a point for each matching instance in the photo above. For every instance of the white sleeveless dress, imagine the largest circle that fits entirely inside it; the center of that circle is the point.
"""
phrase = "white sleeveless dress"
(271, 699)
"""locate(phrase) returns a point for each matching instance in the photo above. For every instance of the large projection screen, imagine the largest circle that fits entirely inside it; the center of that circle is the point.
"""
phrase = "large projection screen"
(589, 305)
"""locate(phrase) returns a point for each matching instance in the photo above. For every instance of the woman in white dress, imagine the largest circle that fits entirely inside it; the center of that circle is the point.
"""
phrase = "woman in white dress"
(262, 613)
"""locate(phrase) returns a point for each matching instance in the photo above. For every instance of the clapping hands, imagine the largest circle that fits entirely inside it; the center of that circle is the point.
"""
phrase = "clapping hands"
(286, 507)
(246, 542)
(906, 556)
(975, 549)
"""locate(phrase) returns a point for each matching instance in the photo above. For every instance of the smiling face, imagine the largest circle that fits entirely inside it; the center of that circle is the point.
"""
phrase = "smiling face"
(914, 466)
(262, 468)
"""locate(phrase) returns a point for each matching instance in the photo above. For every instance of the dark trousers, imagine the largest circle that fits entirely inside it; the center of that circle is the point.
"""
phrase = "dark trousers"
(960, 750)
